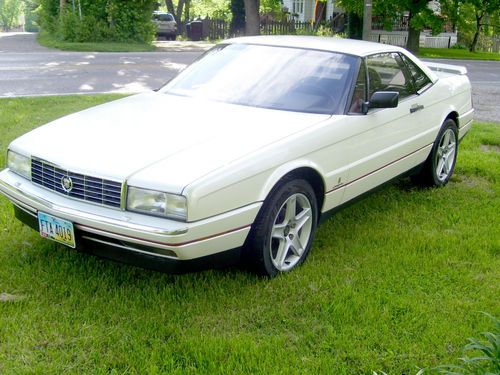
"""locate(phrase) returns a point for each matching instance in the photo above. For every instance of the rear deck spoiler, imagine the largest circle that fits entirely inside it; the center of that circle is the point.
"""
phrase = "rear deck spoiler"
(447, 68)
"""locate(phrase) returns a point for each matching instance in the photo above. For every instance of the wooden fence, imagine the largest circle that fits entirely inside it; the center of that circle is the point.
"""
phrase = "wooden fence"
(215, 29)
(438, 41)
(219, 29)
(394, 39)
(398, 23)
(285, 27)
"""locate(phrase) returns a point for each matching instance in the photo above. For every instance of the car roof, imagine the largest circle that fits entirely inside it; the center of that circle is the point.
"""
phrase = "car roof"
(333, 44)
(352, 47)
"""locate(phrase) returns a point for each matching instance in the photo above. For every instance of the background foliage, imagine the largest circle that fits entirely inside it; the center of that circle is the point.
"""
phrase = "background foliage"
(99, 20)
(468, 17)
(9, 13)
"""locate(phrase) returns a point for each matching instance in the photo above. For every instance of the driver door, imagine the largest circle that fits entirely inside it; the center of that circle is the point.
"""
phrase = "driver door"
(385, 142)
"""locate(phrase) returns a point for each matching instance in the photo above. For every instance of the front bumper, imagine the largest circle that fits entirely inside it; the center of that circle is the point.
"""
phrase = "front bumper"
(131, 232)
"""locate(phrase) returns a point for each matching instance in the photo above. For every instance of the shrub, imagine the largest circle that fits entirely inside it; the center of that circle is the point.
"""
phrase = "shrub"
(458, 46)
(484, 359)
(99, 20)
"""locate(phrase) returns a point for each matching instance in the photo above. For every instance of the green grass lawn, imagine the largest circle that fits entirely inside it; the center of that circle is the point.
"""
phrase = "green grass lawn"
(461, 54)
(50, 41)
(394, 283)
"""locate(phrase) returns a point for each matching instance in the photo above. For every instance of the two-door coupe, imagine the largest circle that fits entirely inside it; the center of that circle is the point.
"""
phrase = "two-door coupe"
(241, 154)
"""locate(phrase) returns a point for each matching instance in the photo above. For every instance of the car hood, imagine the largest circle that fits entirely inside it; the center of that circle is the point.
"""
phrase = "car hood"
(179, 138)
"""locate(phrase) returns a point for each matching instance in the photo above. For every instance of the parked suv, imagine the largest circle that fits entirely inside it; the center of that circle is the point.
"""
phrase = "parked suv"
(165, 25)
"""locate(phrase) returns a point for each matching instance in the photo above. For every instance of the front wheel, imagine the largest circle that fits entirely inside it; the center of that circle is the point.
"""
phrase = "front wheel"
(282, 234)
(440, 164)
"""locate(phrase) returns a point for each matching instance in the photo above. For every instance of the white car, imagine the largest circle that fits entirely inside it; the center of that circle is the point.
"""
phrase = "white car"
(264, 136)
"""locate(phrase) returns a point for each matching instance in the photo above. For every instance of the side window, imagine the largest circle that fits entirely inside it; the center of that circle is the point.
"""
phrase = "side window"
(387, 72)
(419, 78)
(359, 95)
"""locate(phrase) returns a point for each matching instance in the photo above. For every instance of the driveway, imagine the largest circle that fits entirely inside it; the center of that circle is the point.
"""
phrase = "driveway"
(28, 69)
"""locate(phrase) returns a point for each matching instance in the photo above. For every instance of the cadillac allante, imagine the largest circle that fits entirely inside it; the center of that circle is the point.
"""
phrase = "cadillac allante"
(241, 154)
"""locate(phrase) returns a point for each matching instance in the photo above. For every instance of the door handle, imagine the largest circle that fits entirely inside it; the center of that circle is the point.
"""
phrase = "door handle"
(416, 107)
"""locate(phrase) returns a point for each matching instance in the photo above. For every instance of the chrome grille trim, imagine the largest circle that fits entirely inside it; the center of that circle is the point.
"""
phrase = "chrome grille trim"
(87, 188)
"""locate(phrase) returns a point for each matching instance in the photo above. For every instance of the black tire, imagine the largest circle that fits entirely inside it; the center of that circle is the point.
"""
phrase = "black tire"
(291, 213)
(439, 166)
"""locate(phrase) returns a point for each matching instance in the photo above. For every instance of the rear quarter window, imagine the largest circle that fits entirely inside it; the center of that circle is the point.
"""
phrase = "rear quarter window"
(420, 79)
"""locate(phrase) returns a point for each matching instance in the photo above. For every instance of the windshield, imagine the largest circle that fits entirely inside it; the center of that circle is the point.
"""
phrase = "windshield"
(282, 78)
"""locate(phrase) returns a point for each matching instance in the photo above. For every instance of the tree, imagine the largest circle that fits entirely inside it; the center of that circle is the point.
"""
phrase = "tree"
(252, 17)
(472, 18)
(238, 17)
(10, 10)
(177, 13)
(450, 9)
(419, 15)
(482, 8)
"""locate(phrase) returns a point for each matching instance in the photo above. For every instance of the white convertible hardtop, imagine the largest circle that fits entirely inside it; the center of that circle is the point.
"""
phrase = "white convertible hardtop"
(333, 44)
(353, 47)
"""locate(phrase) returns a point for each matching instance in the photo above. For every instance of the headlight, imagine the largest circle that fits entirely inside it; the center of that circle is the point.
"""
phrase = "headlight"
(19, 164)
(157, 203)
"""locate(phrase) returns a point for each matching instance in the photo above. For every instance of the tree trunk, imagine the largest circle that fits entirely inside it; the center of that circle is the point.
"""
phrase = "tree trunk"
(176, 13)
(473, 46)
(180, 8)
(413, 42)
(171, 9)
(61, 7)
(187, 9)
(237, 26)
(252, 25)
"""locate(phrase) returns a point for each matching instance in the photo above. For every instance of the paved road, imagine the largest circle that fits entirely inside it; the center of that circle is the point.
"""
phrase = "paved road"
(485, 79)
(29, 69)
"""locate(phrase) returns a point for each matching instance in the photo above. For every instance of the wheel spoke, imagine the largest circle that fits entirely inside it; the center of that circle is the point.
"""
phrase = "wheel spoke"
(439, 168)
(450, 147)
(290, 209)
(446, 169)
(451, 154)
(446, 139)
(449, 161)
(297, 247)
(302, 218)
(278, 231)
(281, 254)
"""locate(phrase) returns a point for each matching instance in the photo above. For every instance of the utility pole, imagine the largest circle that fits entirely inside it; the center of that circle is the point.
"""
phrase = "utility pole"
(367, 20)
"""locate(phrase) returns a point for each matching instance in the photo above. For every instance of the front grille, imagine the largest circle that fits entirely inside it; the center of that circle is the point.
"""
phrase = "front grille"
(87, 188)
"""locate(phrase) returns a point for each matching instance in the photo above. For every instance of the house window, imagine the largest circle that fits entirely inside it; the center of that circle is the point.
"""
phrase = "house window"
(298, 6)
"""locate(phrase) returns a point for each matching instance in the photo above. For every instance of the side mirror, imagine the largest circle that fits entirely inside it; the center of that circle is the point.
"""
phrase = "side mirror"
(382, 99)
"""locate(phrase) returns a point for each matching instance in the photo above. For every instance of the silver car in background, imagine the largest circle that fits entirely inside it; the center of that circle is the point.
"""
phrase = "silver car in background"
(165, 25)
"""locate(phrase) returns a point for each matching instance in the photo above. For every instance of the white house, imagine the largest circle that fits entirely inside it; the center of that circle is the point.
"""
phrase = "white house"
(309, 10)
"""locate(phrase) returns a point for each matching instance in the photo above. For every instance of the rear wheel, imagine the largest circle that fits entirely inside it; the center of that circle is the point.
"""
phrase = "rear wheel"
(440, 164)
(282, 234)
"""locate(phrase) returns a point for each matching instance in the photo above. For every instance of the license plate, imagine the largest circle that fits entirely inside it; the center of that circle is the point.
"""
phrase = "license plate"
(56, 229)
